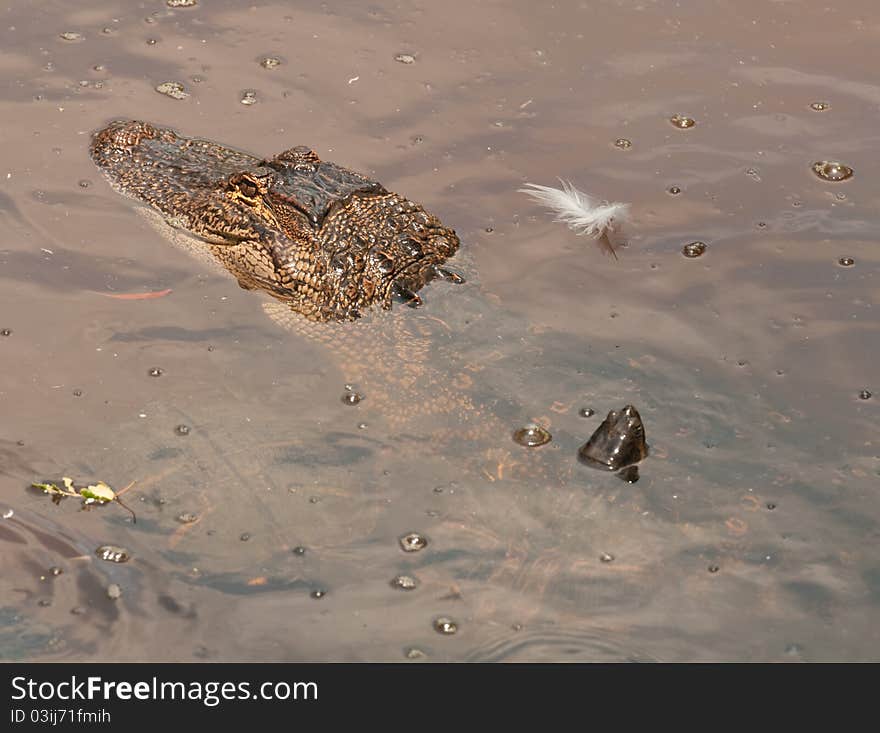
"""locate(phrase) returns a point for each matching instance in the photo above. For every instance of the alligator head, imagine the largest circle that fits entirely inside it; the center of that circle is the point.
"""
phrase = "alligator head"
(326, 240)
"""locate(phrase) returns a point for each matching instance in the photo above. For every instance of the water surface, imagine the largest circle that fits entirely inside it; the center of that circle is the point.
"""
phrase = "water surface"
(753, 532)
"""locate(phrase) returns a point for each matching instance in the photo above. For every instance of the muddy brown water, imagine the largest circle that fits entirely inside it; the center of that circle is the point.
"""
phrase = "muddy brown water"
(746, 363)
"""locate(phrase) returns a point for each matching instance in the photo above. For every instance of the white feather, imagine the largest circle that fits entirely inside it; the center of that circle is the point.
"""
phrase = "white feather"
(581, 213)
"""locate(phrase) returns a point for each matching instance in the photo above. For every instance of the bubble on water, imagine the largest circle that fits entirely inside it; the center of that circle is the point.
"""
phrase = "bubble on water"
(318, 594)
(351, 398)
(714, 568)
(532, 436)
(820, 106)
(673, 190)
(606, 557)
(405, 58)
(444, 625)
(187, 517)
(44, 602)
(113, 553)
(586, 412)
(244, 536)
(173, 89)
(155, 372)
(404, 582)
(682, 122)
(114, 592)
(864, 395)
(413, 542)
(182, 429)
(846, 262)
(832, 170)
(299, 550)
(72, 36)
(84, 183)
(770, 505)
(694, 249)
(248, 97)
(622, 143)
(6, 332)
(270, 62)
(55, 571)
(77, 393)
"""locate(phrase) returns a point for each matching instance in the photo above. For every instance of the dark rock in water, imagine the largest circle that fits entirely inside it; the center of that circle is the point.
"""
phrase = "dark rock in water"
(617, 443)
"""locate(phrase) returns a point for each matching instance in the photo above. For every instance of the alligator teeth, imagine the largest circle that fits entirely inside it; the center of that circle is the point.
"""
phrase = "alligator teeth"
(405, 296)
(449, 275)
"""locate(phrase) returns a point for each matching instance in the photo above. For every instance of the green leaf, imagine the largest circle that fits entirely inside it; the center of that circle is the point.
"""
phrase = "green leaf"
(49, 489)
(99, 492)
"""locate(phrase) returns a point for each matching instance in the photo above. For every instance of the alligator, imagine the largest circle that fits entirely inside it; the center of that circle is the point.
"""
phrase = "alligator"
(330, 245)
(327, 241)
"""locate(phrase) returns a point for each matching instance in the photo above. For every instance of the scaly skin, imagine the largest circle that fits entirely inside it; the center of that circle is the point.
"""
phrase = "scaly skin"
(326, 240)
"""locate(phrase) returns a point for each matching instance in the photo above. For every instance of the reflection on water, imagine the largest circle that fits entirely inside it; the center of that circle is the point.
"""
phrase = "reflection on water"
(270, 513)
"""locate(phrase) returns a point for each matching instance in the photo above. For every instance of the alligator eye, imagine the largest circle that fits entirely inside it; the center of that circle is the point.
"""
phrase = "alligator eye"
(247, 188)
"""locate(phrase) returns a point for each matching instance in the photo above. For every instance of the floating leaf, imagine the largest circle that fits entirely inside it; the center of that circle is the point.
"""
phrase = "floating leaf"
(51, 489)
(99, 492)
